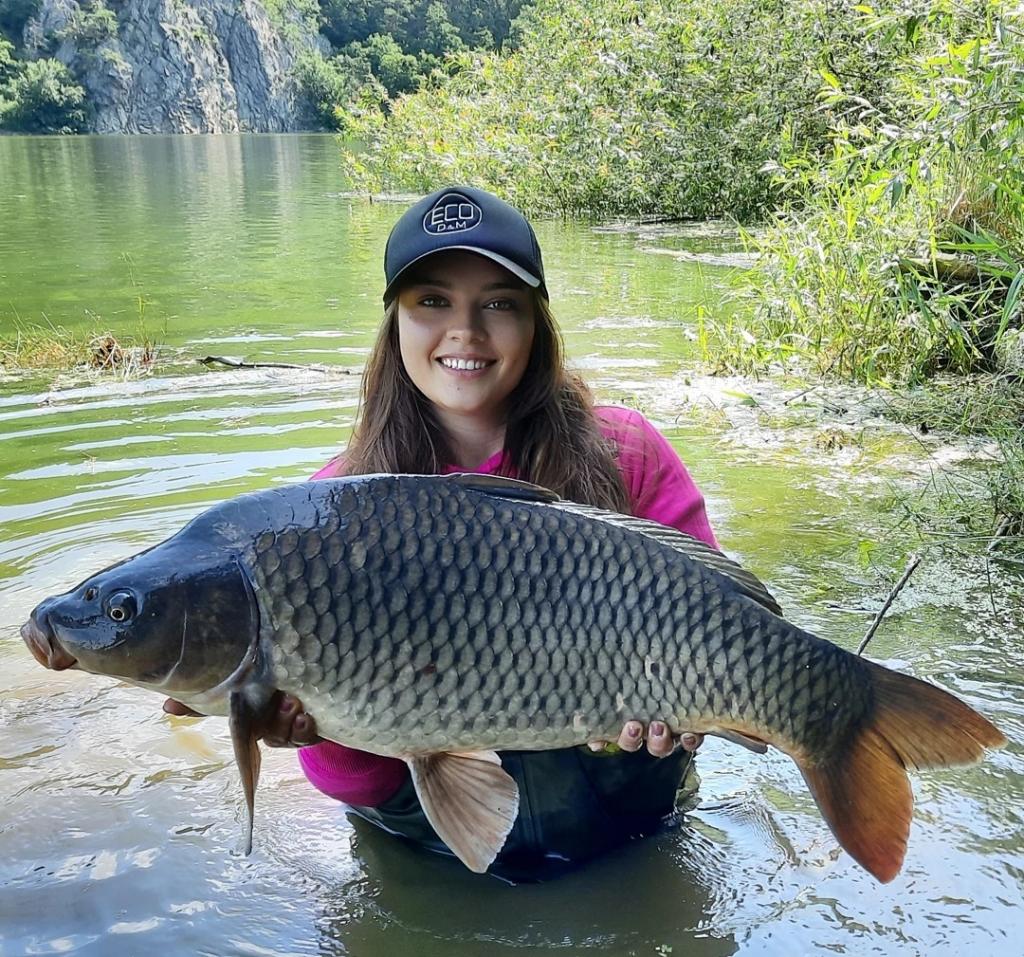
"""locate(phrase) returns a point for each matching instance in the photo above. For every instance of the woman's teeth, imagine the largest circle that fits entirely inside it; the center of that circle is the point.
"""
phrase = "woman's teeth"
(468, 364)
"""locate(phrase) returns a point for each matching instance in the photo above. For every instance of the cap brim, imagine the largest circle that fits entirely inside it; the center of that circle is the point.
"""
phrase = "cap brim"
(528, 277)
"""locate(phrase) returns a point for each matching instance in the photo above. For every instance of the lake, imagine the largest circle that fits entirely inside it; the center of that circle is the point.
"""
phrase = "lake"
(121, 825)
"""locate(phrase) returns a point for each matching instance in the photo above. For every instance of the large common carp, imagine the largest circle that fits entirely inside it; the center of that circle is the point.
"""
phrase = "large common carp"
(441, 619)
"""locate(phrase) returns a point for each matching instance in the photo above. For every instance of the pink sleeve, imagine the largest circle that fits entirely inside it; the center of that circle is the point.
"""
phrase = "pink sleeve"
(347, 774)
(332, 469)
(658, 483)
(352, 776)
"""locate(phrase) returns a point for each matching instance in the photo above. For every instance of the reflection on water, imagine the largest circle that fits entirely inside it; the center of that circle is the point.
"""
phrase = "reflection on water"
(121, 825)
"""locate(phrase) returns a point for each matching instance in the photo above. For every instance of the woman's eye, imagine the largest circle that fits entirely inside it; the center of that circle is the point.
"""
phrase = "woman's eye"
(433, 301)
(503, 305)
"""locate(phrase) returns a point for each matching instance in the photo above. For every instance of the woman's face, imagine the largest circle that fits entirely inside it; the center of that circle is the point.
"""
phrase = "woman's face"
(465, 330)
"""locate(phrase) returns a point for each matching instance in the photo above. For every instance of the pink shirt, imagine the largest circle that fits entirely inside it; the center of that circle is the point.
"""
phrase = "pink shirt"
(659, 488)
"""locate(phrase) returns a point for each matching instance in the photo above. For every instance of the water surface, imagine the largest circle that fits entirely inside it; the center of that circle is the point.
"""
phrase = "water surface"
(120, 825)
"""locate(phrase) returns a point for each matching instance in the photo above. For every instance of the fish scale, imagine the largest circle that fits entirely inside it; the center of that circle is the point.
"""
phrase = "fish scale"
(443, 619)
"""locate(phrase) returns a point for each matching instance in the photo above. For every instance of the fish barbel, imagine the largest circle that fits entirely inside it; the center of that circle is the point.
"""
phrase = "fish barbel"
(442, 619)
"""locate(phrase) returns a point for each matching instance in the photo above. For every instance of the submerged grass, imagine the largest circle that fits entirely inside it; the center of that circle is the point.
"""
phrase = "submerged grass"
(51, 348)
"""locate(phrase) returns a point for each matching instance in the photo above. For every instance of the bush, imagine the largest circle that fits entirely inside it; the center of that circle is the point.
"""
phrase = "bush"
(90, 26)
(671, 107)
(8, 65)
(906, 255)
(42, 97)
(332, 84)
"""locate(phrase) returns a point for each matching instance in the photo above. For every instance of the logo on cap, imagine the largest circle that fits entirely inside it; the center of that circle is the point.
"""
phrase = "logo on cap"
(452, 213)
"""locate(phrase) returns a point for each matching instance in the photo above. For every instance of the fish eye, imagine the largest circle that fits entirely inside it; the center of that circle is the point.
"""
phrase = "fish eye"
(121, 606)
(90, 594)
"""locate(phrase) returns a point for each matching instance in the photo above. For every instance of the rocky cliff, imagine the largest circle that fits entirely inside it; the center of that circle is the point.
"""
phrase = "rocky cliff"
(180, 66)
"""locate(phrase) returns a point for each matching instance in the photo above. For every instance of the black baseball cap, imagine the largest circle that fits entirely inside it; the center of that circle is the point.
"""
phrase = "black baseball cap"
(463, 217)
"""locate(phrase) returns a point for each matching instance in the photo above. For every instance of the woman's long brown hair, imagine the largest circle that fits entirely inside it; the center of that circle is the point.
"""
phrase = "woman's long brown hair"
(552, 437)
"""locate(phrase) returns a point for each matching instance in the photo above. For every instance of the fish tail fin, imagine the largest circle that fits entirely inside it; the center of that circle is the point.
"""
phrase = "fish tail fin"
(863, 791)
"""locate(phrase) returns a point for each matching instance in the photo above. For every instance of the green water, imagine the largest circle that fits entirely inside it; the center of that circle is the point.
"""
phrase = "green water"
(119, 824)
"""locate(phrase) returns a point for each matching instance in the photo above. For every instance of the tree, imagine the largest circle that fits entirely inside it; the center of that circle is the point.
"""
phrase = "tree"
(331, 84)
(42, 97)
(8, 65)
(439, 35)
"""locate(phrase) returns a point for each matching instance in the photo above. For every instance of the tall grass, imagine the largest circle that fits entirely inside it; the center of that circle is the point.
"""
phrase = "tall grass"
(44, 347)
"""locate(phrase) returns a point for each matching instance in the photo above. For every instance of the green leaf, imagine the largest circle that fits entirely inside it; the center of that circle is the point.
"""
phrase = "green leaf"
(745, 399)
(896, 191)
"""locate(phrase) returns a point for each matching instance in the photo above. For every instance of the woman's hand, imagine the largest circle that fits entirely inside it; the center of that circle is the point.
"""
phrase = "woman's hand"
(283, 725)
(660, 741)
(286, 725)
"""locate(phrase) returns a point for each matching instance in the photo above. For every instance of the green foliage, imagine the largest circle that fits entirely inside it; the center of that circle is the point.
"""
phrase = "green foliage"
(903, 259)
(417, 25)
(396, 70)
(91, 25)
(292, 17)
(42, 97)
(332, 82)
(389, 49)
(440, 37)
(606, 107)
(8, 64)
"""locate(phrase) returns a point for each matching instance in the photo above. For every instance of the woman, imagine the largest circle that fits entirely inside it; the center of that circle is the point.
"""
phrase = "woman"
(467, 375)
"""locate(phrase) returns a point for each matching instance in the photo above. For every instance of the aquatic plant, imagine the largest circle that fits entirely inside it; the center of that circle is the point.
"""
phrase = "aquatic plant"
(50, 348)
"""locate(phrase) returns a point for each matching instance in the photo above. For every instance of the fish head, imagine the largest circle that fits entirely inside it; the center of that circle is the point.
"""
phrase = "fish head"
(177, 618)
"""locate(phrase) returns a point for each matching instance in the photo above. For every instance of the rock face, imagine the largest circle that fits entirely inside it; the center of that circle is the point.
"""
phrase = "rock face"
(180, 66)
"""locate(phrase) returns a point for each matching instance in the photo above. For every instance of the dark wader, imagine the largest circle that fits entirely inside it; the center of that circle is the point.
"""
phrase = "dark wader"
(573, 805)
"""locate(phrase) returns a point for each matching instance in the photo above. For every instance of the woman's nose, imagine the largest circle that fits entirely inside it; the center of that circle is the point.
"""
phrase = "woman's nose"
(466, 325)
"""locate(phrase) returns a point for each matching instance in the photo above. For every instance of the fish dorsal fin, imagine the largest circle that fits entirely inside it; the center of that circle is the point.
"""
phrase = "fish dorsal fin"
(469, 800)
(242, 723)
(503, 487)
(747, 582)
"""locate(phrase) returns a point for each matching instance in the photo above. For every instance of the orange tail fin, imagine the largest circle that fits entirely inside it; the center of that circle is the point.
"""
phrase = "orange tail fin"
(864, 793)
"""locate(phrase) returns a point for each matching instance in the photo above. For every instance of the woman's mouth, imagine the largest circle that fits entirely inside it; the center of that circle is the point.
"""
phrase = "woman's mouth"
(465, 365)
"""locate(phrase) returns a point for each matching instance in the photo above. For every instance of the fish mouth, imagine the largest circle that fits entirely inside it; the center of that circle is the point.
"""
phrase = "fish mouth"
(45, 649)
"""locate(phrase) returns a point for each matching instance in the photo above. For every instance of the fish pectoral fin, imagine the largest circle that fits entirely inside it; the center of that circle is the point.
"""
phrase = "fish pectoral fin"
(469, 800)
(242, 723)
(743, 740)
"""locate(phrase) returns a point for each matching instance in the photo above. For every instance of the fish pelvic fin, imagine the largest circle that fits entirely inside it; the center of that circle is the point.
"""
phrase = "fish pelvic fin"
(242, 719)
(469, 800)
(864, 793)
